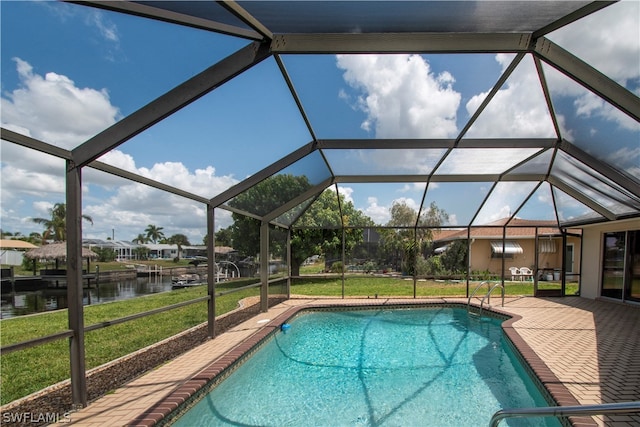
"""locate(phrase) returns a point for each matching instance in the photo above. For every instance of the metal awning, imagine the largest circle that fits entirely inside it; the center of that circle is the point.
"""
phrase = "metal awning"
(510, 247)
(547, 246)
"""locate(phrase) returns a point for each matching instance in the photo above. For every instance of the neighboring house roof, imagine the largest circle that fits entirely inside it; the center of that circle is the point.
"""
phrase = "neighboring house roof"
(517, 229)
(160, 246)
(56, 251)
(115, 244)
(16, 244)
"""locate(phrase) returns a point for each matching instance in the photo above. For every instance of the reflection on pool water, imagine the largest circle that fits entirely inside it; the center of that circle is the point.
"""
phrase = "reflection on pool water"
(375, 367)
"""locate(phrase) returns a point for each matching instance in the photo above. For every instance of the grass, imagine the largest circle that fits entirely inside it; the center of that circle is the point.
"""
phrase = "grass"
(369, 286)
(26, 371)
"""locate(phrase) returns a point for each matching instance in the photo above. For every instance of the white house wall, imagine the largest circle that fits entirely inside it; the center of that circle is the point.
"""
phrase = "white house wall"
(592, 241)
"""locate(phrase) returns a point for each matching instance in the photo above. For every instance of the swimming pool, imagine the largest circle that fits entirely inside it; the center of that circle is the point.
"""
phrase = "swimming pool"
(375, 367)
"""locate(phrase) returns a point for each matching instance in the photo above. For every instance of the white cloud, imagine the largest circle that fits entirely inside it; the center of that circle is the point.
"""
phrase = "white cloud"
(346, 193)
(518, 109)
(505, 198)
(106, 28)
(401, 96)
(609, 40)
(53, 109)
(379, 214)
(589, 104)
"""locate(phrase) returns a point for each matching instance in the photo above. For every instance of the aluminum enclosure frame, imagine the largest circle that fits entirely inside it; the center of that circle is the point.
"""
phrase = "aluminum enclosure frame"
(264, 43)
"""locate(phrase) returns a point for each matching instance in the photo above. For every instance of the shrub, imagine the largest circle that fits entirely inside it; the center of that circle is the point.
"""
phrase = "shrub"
(105, 254)
(337, 267)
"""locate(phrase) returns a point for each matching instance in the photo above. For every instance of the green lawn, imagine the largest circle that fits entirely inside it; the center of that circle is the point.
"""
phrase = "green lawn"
(369, 286)
(26, 371)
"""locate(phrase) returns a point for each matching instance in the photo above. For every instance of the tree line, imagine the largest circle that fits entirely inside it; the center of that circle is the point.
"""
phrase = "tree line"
(405, 244)
(400, 245)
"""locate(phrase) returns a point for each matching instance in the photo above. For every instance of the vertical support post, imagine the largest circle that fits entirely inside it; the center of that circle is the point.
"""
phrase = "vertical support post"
(289, 263)
(414, 255)
(74, 284)
(504, 244)
(344, 264)
(468, 258)
(264, 266)
(211, 272)
(563, 270)
(536, 260)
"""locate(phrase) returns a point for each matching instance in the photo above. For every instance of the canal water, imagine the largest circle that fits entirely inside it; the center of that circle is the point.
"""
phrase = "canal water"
(29, 302)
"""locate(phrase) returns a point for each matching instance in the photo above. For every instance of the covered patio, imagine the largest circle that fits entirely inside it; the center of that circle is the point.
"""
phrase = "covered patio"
(577, 175)
(581, 350)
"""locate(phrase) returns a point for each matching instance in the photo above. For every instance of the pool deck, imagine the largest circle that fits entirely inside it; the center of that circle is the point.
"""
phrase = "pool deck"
(584, 352)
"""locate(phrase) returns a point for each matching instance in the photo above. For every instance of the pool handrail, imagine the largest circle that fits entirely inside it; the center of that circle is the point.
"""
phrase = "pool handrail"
(487, 296)
(566, 411)
(486, 282)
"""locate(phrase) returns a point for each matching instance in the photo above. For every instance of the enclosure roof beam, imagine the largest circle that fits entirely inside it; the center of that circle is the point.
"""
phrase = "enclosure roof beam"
(601, 167)
(582, 198)
(150, 12)
(296, 97)
(265, 173)
(572, 17)
(588, 77)
(332, 43)
(172, 101)
(104, 167)
(241, 13)
(425, 178)
(313, 191)
(391, 144)
(35, 144)
(239, 211)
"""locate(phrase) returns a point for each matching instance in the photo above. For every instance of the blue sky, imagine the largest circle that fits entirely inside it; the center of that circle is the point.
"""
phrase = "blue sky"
(69, 71)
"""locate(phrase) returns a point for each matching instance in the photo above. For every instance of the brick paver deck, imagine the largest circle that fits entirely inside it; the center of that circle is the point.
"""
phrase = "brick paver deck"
(584, 351)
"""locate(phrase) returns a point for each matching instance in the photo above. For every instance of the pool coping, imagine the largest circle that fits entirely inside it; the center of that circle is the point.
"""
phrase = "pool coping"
(541, 373)
(169, 408)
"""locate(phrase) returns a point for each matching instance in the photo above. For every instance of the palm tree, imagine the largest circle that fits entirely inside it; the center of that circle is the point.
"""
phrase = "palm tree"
(180, 240)
(56, 226)
(154, 233)
(35, 238)
(140, 239)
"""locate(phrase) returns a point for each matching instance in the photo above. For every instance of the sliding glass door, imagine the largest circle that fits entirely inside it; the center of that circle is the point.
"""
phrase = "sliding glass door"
(632, 291)
(621, 265)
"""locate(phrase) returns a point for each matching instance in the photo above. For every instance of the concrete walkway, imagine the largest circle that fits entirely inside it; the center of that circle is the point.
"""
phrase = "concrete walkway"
(583, 351)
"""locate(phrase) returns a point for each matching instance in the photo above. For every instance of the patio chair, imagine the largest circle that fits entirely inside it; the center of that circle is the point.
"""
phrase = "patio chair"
(526, 273)
(515, 273)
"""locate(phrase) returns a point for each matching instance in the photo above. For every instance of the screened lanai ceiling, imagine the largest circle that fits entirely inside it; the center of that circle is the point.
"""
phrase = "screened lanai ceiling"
(552, 133)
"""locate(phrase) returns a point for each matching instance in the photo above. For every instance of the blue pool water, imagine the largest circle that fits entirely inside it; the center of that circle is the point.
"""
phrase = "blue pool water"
(407, 367)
